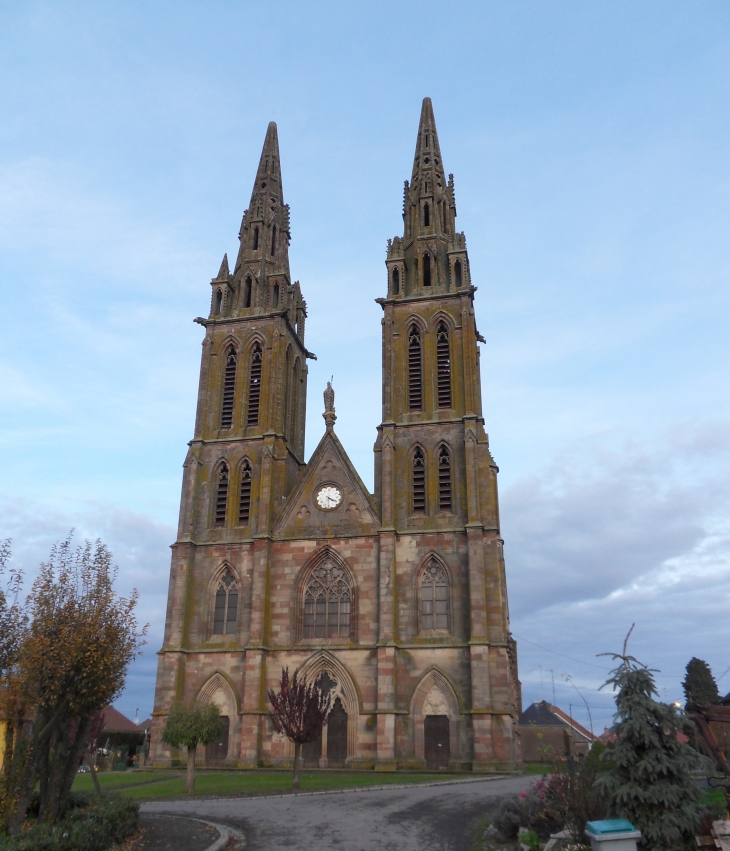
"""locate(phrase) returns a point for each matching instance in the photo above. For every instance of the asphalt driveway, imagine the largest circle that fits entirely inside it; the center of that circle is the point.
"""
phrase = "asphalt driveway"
(413, 818)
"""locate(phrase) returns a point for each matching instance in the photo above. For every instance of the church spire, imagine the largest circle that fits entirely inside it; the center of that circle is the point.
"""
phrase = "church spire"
(264, 230)
(428, 152)
(430, 257)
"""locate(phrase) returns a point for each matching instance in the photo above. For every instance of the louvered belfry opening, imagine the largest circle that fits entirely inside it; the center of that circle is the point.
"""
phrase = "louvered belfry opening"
(254, 386)
(226, 605)
(229, 388)
(221, 496)
(444, 459)
(244, 499)
(415, 376)
(419, 482)
(443, 366)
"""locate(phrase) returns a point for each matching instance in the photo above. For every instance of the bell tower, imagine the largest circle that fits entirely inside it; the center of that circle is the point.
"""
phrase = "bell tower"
(435, 478)
(248, 446)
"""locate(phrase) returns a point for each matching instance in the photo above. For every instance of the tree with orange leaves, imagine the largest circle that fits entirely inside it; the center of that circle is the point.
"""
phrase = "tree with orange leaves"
(76, 641)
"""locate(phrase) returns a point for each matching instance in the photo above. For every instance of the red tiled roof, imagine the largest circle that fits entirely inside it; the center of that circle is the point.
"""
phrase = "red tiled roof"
(115, 722)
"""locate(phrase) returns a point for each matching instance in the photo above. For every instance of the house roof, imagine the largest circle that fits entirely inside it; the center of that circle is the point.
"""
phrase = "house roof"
(115, 722)
(544, 714)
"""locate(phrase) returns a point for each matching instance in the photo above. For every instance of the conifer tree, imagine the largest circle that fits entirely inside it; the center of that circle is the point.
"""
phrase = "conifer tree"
(699, 684)
(649, 782)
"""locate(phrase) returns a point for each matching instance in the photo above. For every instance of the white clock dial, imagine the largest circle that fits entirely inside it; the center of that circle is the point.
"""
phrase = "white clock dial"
(328, 497)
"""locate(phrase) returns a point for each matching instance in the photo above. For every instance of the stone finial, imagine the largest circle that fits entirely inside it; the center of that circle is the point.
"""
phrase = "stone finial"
(329, 406)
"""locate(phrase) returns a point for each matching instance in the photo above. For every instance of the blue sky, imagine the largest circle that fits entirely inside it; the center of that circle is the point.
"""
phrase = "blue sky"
(589, 147)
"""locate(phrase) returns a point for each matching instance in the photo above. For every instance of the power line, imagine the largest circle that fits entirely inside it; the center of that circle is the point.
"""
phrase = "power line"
(562, 655)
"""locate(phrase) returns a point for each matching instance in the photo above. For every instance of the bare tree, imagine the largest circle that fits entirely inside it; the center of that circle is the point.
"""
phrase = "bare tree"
(299, 711)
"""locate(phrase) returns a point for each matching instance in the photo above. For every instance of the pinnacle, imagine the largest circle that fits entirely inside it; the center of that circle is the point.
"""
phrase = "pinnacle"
(428, 150)
(224, 271)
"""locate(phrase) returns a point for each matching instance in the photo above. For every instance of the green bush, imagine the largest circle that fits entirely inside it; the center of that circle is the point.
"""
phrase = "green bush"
(89, 826)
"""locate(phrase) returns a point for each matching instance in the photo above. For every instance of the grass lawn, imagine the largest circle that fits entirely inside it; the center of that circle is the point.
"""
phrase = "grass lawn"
(164, 784)
(536, 768)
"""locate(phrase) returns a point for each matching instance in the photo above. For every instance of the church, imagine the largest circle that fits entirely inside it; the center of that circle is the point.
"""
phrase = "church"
(397, 597)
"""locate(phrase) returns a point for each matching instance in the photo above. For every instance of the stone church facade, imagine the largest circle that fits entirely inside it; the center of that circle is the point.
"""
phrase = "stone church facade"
(399, 596)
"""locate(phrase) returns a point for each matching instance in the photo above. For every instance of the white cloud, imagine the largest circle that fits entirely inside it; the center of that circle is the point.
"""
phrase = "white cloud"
(601, 539)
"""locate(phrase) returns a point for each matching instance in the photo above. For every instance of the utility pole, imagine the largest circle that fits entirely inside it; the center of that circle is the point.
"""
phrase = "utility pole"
(552, 674)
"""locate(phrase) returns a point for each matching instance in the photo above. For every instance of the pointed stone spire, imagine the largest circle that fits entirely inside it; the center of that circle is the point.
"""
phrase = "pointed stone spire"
(264, 230)
(430, 257)
(268, 176)
(428, 151)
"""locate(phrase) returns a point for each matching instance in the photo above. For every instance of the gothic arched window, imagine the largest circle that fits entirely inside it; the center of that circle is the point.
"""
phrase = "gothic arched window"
(444, 473)
(415, 378)
(434, 597)
(457, 274)
(247, 292)
(229, 387)
(396, 282)
(226, 605)
(443, 365)
(275, 296)
(254, 385)
(426, 269)
(426, 215)
(418, 481)
(273, 241)
(244, 496)
(255, 239)
(327, 603)
(218, 301)
(221, 495)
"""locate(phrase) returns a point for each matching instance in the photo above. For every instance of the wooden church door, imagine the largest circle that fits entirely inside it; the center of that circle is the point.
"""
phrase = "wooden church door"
(436, 744)
(337, 735)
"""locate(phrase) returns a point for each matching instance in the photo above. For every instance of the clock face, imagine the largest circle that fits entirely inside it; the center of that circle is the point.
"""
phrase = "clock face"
(328, 497)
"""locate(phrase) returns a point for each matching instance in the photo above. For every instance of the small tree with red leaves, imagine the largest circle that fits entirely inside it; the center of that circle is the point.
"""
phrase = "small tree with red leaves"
(299, 711)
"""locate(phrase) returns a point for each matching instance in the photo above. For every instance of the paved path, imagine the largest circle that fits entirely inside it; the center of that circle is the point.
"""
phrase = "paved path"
(166, 833)
(415, 818)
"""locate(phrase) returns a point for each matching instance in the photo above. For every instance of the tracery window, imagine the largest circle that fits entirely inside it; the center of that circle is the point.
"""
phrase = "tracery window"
(415, 379)
(244, 498)
(444, 472)
(254, 385)
(434, 597)
(226, 605)
(327, 603)
(443, 366)
(229, 388)
(419, 482)
(221, 495)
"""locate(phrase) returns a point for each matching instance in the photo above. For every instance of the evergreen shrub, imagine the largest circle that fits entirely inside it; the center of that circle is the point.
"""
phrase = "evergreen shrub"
(91, 826)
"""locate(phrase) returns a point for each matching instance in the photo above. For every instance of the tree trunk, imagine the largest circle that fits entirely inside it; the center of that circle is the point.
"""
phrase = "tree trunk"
(297, 752)
(92, 768)
(190, 779)
(71, 767)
